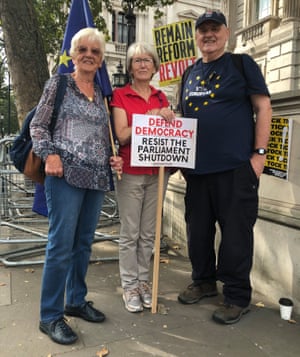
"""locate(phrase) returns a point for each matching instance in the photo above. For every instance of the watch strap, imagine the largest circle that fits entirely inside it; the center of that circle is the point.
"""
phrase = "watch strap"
(260, 151)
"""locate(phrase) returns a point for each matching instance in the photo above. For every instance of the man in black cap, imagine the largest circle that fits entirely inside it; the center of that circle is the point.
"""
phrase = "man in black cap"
(232, 105)
(215, 16)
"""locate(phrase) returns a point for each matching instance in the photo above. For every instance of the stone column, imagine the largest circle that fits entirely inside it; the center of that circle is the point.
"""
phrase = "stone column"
(229, 9)
(291, 10)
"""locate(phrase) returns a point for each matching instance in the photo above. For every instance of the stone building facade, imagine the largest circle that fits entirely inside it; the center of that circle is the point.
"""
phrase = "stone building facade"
(144, 23)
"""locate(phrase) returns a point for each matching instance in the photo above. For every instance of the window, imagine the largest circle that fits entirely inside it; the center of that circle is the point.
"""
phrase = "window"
(120, 27)
(263, 8)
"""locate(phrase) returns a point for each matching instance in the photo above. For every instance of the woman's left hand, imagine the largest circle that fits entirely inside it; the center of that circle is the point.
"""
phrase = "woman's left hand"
(116, 163)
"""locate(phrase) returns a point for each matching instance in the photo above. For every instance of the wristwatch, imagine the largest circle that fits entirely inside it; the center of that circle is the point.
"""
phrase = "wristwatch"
(260, 151)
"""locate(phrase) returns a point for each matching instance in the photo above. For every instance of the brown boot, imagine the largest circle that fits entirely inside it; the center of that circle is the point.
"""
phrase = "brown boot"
(195, 292)
(229, 314)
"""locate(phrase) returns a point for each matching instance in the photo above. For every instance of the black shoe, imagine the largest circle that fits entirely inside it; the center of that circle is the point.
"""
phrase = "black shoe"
(195, 292)
(59, 331)
(229, 314)
(86, 311)
(163, 246)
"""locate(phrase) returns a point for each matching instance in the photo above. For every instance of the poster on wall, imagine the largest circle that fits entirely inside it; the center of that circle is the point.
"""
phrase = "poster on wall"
(156, 142)
(277, 160)
(176, 49)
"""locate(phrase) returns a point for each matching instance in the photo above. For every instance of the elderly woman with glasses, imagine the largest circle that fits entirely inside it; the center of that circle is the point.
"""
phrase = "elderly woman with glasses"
(77, 160)
(137, 191)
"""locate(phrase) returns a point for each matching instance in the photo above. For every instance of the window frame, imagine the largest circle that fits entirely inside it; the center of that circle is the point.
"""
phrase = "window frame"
(120, 27)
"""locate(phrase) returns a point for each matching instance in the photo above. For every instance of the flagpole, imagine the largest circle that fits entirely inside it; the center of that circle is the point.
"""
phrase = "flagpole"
(111, 134)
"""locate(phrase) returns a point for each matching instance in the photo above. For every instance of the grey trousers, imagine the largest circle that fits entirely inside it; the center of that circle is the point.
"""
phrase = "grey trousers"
(137, 203)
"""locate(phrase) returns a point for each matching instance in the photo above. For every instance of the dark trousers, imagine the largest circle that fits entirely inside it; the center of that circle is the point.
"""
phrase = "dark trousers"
(231, 199)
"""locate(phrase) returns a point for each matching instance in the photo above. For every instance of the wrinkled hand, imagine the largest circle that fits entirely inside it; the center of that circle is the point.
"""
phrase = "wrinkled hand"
(116, 163)
(165, 112)
(54, 166)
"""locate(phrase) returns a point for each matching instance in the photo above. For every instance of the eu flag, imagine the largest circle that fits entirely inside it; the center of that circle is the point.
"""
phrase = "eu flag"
(80, 16)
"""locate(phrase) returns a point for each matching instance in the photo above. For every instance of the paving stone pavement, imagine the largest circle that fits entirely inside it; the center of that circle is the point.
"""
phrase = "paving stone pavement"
(176, 330)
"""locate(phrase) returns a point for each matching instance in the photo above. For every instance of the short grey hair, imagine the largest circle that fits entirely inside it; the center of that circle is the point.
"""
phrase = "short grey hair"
(139, 48)
(92, 35)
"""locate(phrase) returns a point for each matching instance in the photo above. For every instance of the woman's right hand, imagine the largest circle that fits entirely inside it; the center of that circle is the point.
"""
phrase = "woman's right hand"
(116, 163)
(54, 166)
(165, 112)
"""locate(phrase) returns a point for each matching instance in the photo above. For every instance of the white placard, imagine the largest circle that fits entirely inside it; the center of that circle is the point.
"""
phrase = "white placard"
(156, 142)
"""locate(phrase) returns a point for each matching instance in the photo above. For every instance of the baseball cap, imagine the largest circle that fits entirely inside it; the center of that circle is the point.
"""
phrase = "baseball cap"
(216, 16)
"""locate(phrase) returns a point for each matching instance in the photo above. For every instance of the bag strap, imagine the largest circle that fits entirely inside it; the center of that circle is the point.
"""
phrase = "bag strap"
(60, 93)
(237, 59)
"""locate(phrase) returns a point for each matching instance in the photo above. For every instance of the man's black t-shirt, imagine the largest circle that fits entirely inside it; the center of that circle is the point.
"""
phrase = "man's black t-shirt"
(218, 95)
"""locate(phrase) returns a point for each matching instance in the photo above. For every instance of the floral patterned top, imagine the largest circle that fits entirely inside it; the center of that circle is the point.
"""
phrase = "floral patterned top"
(80, 136)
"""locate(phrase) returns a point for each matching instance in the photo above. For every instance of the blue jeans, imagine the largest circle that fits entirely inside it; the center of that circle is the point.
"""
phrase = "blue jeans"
(73, 218)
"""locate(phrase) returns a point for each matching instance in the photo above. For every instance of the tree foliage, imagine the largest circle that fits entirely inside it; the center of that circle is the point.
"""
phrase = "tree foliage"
(52, 17)
(26, 56)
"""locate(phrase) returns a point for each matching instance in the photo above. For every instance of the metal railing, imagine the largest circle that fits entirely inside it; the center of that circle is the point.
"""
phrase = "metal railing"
(21, 227)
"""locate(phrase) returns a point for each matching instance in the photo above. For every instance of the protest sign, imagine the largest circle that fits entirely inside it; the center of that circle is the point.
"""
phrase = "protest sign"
(176, 49)
(157, 142)
(277, 159)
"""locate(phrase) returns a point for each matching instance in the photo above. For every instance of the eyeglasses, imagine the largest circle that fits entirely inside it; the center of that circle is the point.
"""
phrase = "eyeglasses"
(82, 50)
(142, 60)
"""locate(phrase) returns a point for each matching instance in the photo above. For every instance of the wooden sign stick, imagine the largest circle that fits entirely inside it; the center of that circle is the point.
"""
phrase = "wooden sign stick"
(155, 279)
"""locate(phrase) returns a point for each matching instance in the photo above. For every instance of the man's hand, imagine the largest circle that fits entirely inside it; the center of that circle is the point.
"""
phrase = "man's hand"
(258, 163)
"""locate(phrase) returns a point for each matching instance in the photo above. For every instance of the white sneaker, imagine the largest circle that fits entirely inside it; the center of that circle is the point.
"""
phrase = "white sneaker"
(145, 294)
(132, 300)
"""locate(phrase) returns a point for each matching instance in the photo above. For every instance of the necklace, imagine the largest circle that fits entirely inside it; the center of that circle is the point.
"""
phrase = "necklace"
(85, 90)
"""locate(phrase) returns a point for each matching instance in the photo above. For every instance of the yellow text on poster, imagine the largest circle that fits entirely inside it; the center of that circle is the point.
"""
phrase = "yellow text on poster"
(277, 158)
(176, 49)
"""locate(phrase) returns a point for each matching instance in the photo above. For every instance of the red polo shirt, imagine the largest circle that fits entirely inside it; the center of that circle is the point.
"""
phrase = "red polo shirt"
(133, 103)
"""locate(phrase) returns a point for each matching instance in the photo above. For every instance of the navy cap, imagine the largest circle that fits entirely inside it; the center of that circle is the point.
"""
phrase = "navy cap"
(215, 16)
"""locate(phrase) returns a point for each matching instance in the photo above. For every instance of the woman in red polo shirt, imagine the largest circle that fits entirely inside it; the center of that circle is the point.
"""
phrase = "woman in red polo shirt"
(137, 191)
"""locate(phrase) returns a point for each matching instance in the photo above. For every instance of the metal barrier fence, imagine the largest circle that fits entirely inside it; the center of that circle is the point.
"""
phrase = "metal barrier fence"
(21, 227)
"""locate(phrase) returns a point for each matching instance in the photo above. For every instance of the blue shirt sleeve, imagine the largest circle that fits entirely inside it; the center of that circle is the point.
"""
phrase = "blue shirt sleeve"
(254, 77)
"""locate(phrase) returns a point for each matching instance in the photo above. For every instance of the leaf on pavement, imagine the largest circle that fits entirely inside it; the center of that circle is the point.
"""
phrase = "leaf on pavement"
(162, 310)
(103, 352)
(260, 304)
